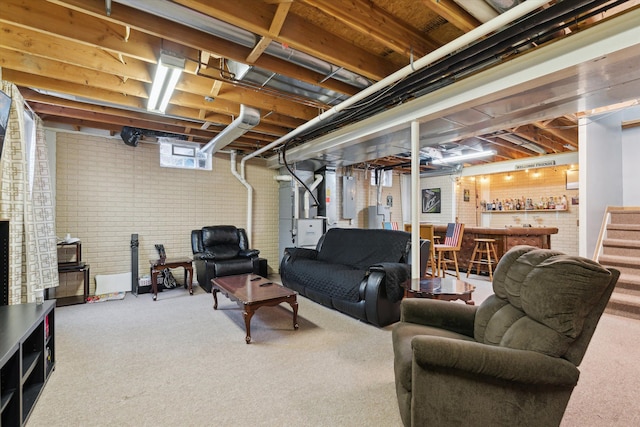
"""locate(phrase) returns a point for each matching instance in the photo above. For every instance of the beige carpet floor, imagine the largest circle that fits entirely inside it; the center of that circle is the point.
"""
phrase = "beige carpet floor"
(177, 362)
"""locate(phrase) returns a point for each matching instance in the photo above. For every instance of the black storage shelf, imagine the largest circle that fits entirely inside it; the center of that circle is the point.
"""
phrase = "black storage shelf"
(29, 397)
(27, 358)
(6, 398)
(29, 362)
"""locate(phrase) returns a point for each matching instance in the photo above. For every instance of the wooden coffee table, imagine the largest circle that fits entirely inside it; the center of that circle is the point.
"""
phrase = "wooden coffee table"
(444, 288)
(251, 292)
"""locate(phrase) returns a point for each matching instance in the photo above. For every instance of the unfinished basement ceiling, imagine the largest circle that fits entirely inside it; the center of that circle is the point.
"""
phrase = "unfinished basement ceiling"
(83, 69)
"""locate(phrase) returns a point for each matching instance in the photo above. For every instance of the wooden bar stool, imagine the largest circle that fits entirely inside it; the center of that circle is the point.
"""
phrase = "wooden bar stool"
(485, 250)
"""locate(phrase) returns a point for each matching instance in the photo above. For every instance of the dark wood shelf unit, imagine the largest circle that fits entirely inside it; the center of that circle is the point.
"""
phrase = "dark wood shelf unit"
(69, 263)
(27, 358)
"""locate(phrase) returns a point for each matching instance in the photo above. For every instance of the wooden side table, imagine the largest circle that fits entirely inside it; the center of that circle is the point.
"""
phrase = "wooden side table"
(157, 265)
(444, 288)
(71, 299)
(70, 262)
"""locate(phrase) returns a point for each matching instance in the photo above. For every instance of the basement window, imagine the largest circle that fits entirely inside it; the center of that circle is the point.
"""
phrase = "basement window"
(385, 178)
(183, 155)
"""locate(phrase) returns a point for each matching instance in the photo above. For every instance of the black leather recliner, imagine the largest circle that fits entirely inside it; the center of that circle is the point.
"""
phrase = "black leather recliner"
(222, 250)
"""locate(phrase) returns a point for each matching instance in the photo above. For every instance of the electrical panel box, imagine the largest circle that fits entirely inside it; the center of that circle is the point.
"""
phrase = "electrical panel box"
(327, 196)
(348, 197)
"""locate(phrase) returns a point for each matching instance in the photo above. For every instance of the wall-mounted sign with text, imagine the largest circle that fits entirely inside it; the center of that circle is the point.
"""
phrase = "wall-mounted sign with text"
(534, 165)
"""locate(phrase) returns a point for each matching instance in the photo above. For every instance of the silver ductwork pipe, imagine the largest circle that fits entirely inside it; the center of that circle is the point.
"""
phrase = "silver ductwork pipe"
(248, 118)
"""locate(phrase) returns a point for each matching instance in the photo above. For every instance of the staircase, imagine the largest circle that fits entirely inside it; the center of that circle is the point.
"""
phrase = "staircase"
(619, 248)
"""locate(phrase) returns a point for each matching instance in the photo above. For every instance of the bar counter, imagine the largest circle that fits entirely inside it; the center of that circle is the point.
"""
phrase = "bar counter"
(505, 238)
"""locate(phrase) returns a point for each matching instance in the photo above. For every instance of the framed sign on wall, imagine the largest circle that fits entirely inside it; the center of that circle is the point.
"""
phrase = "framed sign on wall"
(431, 200)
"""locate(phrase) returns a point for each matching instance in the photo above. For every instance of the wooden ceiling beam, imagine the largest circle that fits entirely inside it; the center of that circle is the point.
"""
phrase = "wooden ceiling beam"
(453, 13)
(274, 30)
(73, 89)
(67, 51)
(567, 131)
(156, 29)
(373, 21)
(54, 20)
(177, 127)
(34, 96)
(297, 33)
(72, 74)
(29, 80)
(497, 141)
(34, 45)
(533, 133)
(227, 102)
(247, 95)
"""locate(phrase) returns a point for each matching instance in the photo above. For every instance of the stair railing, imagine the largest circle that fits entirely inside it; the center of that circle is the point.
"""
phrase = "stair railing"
(606, 219)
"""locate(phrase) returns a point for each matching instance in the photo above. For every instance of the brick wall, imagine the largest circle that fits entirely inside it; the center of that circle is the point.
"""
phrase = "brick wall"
(105, 191)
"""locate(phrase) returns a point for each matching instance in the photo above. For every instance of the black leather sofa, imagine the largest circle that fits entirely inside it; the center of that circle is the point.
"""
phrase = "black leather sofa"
(222, 250)
(355, 271)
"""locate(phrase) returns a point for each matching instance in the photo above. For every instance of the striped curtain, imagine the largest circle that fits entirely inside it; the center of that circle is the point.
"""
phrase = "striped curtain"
(26, 201)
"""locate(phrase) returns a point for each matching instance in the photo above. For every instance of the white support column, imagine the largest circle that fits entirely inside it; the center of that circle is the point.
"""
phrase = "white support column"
(415, 203)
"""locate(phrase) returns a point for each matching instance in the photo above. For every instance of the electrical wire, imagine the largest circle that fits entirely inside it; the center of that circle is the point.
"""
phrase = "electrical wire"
(293, 174)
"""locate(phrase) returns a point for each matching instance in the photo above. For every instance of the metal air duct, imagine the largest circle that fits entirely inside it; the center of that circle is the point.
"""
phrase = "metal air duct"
(521, 142)
(248, 118)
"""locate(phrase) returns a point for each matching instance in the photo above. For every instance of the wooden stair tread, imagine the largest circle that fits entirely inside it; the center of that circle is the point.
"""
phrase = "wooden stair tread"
(629, 299)
(629, 278)
(614, 260)
(624, 227)
(621, 243)
(624, 211)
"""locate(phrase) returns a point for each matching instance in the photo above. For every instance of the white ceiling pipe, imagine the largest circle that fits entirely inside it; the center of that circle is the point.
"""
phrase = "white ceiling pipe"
(479, 9)
(453, 46)
(459, 43)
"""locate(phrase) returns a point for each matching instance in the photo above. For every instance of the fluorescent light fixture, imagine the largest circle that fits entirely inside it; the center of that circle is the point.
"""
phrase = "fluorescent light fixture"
(167, 75)
(457, 159)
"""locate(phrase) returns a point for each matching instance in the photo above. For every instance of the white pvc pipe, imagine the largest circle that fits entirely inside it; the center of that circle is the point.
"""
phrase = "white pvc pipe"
(457, 44)
(312, 187)
(244, 182)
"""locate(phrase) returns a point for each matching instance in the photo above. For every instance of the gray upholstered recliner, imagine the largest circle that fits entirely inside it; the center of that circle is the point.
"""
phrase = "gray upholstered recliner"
(222, 250)
(511, 360)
